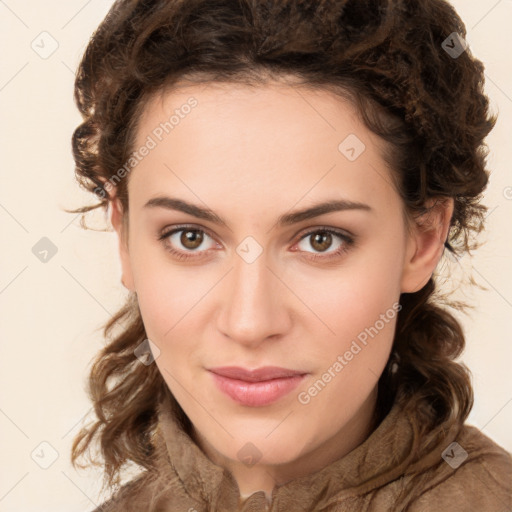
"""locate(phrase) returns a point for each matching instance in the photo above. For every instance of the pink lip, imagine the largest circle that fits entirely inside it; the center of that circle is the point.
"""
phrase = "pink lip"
(258, 387)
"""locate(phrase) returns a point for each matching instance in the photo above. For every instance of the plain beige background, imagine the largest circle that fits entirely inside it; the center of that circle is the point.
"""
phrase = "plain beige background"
(52, 311)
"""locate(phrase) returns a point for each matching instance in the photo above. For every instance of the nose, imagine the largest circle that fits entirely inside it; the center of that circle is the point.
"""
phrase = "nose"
(254, 303)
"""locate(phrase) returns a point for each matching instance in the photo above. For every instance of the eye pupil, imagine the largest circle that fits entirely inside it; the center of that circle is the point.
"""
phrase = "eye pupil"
(192, 237)
(320, 239)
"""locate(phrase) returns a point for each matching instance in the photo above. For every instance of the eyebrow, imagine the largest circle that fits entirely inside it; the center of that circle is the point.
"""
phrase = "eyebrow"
(287, 219)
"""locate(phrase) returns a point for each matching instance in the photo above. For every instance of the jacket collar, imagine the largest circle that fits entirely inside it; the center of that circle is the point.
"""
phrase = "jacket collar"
(385, 455)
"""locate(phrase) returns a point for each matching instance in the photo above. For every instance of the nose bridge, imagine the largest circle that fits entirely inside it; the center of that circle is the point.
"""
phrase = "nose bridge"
(251, 309)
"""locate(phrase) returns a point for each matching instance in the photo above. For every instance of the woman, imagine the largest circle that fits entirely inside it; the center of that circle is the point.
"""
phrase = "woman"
(284, 177)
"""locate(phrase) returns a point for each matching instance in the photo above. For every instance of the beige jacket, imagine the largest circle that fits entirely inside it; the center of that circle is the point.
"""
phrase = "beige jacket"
(475, 474)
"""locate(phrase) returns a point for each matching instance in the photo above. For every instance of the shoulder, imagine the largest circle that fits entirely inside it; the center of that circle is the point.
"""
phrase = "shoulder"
(474, 473)
(126, 495)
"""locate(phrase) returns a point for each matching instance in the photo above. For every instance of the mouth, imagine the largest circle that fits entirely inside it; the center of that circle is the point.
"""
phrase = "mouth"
(256, 388)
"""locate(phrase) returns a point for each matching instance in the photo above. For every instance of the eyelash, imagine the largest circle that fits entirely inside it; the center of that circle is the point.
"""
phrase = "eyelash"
(345, 247)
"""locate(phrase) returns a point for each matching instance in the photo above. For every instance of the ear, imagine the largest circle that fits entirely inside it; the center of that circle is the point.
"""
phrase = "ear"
(425, 244)
(119, 220)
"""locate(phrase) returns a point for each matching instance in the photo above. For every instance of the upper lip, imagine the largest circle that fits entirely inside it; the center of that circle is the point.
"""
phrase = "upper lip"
(256, 375)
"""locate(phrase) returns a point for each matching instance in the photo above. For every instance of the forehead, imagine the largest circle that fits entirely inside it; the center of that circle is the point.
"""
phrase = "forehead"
(272, 107)
(271, 137)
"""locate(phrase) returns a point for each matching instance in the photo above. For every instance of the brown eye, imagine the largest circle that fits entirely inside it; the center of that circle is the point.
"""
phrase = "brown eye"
(191, 238)
(321, 241)
(186, 242)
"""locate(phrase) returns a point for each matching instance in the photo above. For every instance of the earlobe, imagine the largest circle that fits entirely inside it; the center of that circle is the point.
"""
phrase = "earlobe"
(425, 245)
(119, 224)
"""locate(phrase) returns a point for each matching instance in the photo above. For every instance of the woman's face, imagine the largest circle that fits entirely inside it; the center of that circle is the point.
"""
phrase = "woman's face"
(263, 284)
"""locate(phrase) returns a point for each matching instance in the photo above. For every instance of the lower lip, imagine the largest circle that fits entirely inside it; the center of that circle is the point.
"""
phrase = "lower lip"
(256, 394)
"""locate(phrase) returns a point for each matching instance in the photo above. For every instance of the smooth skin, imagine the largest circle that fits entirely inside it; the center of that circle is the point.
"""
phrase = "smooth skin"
(251, 155)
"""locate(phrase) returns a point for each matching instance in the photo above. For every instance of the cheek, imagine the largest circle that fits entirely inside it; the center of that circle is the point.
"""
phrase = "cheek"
(352, 298)
(166, 292)
(358, 309)
(171, 300)
(350, 360)
(166, 301)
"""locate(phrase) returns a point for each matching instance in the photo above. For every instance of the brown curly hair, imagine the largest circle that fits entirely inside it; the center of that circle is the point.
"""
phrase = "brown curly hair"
(387, 56)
